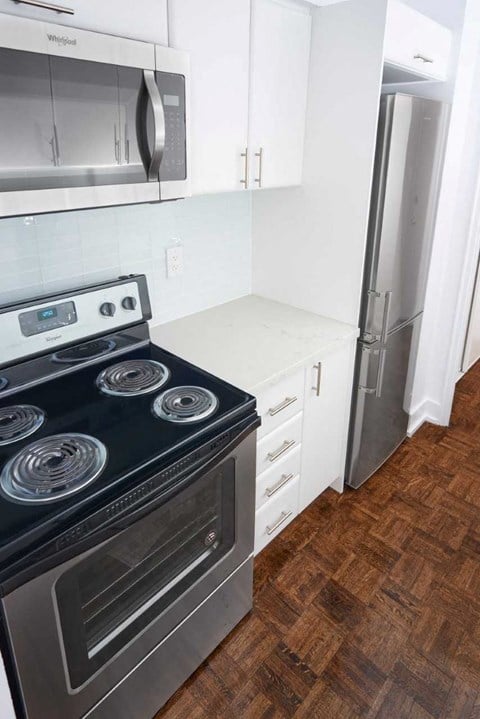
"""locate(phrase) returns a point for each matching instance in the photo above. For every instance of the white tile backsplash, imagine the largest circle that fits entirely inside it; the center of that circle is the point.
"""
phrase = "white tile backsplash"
(60, 251)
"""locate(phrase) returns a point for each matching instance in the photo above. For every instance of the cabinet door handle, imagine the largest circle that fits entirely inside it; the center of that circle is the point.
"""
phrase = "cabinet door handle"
(418, 56)
(259, 154)
(284, 479)
(245, 179)
(318, 367)
(47, 6)
(288, 444)
(283, 405)
(283, 518)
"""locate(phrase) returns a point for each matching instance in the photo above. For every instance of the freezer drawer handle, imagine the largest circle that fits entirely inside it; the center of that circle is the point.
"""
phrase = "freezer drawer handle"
(283, 405)
(284, 479)
(377, 390)
(283, 518)
(47, 6)
(288, 444)
(386, 316)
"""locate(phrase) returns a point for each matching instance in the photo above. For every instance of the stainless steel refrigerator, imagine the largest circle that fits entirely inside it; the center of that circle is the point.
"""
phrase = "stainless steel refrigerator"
(408, 165)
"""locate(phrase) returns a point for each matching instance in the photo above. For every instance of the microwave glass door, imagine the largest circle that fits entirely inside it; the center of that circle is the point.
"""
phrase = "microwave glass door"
(110, 597)
(94, 105)
(26, 121)
(68, 123)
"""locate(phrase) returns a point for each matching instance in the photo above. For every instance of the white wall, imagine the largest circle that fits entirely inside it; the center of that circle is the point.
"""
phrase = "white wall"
(309, 242)
(455, 249)
(60, 251)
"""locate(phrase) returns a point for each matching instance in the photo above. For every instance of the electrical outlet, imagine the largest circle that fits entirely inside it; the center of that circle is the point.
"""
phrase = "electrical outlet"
(174, 261)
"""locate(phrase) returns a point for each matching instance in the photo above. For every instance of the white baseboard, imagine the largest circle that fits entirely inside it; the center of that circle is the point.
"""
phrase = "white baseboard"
(426, 411)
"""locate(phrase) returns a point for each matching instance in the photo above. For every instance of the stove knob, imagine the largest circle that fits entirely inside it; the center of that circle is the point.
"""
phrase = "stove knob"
(107, 309)
(129, 303)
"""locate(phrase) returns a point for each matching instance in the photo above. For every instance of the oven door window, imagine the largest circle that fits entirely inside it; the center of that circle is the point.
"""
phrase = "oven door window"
(115, 593)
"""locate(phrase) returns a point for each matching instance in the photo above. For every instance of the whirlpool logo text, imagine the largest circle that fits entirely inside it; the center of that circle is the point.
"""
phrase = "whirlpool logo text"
(61, 39)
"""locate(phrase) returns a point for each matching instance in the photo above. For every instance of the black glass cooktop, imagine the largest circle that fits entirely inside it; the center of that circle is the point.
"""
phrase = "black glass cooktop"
(133, 429)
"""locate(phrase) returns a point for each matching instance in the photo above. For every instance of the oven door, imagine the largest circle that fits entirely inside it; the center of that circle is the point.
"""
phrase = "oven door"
(77, 630)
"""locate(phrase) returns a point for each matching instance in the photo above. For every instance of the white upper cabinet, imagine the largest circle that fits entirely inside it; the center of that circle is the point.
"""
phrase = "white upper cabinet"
(416, 44)
(141, 20)
(217, 36)
(280, 55)
(249, 75)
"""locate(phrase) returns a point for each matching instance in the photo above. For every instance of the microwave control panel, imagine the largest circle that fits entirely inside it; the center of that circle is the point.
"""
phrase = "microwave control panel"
(172, 90)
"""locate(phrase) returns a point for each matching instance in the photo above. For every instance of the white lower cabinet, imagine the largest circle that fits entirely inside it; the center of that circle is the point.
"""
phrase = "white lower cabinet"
(299, 457)
(279, 444)
(328, 390)
(269, 483)
(276, 514)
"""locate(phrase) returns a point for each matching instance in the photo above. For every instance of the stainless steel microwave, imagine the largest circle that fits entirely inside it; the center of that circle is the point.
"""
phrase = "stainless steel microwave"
(88, 120)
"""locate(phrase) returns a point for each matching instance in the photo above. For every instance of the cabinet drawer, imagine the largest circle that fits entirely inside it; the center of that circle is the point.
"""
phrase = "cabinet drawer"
(270, 483)
(416, 42)
(274, 516)
(279, 444)
(280, 402)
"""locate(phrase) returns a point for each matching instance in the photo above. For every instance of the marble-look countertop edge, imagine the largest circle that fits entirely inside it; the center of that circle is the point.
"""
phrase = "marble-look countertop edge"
(219, 317)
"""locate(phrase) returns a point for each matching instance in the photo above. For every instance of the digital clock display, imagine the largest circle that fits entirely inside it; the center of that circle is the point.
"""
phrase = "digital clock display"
(47, 314)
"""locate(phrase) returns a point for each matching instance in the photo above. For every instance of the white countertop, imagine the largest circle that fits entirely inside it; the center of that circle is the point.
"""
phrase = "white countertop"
(252, 342)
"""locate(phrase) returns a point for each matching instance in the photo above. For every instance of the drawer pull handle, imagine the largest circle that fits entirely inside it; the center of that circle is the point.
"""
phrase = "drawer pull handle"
(283, 518)
(423, 57)
(288, 444)
(318, 367)
(283, 405)
(270, 491)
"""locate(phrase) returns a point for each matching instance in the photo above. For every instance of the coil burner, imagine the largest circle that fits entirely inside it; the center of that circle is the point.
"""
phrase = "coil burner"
(185, 404)
(85, 351)
(53, 468)
(133, 377)
(19, 421)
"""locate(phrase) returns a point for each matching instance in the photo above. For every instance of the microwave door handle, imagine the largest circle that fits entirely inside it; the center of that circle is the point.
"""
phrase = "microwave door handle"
(158, 125)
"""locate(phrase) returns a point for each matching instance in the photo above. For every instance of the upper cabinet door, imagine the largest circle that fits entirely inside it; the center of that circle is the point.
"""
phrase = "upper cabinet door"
(141, 20)
(216, 34)
(280, 54)
(416, 43)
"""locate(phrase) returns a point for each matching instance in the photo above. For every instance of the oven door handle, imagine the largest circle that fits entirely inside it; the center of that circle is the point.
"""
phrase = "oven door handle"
(49, 555)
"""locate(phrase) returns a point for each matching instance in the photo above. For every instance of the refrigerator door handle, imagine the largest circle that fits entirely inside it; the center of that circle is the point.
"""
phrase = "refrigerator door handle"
(386, 316)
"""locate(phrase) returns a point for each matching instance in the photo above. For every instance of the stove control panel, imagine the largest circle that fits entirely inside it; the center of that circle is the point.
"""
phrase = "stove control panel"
(66, 318)
(49, 318)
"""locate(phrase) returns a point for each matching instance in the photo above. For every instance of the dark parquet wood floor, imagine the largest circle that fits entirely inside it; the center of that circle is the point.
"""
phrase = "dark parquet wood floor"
(368, 604)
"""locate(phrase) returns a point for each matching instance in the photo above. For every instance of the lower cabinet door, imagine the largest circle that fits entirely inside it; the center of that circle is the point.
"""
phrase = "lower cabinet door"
(276, 514)
(325, 422)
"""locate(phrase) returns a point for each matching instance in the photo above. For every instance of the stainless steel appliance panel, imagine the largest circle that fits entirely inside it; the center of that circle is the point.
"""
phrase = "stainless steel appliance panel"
(380, 402)
(32, 617)
(408, 168)
(143, 692)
